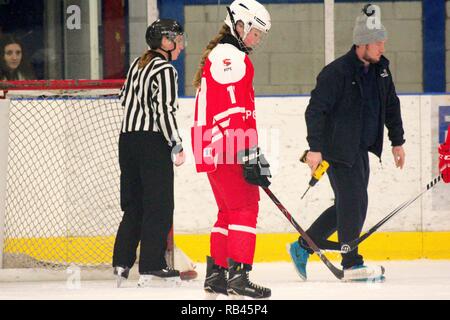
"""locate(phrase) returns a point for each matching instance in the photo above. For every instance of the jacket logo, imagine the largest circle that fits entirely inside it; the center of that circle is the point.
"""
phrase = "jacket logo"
(384, 74)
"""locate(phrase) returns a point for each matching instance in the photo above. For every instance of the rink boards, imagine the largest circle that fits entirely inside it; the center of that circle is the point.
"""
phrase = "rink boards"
(421, 231)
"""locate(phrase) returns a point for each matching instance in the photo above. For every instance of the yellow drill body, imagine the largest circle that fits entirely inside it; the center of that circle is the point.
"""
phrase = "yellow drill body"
(318, 173)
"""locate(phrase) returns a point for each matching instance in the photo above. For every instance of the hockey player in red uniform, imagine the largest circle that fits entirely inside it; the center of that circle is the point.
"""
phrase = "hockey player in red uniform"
(225, 145)
(444, 158)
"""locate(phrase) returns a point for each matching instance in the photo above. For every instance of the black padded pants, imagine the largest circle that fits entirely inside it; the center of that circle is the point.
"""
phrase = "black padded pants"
(146, 198)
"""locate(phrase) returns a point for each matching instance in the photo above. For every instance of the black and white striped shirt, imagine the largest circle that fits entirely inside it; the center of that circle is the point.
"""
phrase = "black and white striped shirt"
(150, 99)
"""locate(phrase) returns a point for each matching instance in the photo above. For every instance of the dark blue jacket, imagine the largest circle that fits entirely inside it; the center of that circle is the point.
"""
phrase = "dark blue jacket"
(334, 114)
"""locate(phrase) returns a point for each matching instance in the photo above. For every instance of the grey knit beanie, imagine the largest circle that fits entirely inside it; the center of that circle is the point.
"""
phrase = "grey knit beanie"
(368, 27)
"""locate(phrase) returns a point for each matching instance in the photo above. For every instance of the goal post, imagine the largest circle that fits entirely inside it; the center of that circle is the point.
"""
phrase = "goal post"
(62, 181)
(4, 134)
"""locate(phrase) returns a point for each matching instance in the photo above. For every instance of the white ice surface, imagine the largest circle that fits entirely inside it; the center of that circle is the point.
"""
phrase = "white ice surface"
(420, 279)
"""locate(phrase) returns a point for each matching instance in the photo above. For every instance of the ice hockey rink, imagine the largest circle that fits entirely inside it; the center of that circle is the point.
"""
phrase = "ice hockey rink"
(405, 280)
(59, 168)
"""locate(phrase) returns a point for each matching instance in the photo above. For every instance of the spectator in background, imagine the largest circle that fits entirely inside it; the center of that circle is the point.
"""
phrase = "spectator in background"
(13, 63)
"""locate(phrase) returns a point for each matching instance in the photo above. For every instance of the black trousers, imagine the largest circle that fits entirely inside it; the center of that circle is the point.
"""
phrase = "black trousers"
(348, 213)
(146, 198)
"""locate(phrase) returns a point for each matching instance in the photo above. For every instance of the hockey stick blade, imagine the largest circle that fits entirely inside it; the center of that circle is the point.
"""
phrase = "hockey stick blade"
(338, 273)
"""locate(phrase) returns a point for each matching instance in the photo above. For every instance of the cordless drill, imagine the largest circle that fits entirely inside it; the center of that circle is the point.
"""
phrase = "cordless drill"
(318, 173)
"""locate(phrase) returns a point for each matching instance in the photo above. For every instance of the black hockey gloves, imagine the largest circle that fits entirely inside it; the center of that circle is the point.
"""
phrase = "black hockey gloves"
(256, 167)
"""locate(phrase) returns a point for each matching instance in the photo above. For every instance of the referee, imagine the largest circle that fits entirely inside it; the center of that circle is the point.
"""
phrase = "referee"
(149, 145)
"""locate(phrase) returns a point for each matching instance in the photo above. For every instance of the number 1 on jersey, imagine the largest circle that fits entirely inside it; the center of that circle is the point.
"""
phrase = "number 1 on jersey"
(231, 90)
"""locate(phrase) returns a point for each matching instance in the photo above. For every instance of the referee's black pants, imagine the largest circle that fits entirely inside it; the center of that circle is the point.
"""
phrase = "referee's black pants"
(146, 198)
(348, 213)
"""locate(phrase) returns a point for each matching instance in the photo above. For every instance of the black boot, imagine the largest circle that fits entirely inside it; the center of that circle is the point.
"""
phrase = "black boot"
(169, 275)
(239, 284)
(216, 279)
(163, 273)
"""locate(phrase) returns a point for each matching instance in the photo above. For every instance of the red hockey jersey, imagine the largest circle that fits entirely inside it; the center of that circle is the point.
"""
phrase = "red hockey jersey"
(444, 158)
(225, 119)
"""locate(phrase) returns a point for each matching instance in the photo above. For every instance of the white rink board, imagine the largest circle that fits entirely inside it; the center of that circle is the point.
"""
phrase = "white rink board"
(282, 132)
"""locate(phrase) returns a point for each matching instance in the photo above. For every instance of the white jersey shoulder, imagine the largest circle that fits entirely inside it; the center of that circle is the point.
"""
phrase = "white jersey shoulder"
(227, 63)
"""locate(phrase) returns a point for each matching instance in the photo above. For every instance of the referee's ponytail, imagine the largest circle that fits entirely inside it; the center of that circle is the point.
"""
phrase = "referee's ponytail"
(146, 58)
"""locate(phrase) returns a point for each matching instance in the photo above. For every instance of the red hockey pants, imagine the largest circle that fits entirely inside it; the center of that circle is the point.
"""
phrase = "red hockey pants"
(234, 233)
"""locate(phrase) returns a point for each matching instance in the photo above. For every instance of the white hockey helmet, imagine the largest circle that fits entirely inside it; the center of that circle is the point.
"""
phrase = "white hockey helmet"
(251, 13)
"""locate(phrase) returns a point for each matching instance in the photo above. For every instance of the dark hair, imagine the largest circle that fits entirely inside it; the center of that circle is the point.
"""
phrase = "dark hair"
(24, 70)
(146, 57)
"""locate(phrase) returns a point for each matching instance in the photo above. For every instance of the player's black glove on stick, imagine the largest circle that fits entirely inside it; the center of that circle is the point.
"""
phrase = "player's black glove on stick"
(256, 167)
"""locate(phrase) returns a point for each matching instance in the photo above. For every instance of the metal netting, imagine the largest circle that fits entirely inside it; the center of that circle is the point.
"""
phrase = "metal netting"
(62, 202)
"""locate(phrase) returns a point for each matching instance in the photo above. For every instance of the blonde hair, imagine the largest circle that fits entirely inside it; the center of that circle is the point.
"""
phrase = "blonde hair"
(211, 45)
(146, 57)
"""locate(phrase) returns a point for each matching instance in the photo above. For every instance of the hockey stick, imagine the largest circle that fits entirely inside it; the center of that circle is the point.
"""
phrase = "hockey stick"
(347, 247)
(354, 243)
(338, 273)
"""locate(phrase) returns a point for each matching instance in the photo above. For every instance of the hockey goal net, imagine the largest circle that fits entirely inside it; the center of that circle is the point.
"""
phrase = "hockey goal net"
(62, 179)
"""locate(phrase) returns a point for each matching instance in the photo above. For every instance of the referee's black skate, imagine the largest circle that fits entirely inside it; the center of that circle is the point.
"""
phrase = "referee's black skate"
(215, 281)
(239, 284)
(121, 274)
(166, 275)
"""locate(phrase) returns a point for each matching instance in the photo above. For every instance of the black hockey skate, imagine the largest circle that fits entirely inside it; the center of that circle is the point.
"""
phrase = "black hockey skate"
(164, 275)
(239, 284)
(215, 281)
(121, 274)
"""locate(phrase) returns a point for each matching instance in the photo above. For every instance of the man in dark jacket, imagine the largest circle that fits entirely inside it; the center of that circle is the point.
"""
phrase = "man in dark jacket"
(353, 100)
